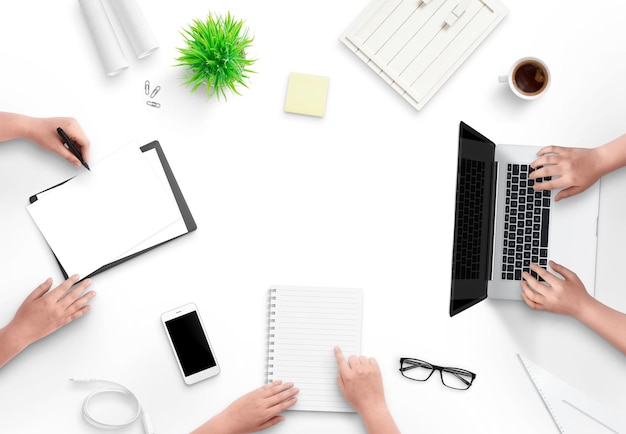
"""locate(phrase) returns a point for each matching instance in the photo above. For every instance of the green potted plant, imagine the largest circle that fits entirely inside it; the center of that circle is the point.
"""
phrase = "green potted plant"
(215, 54)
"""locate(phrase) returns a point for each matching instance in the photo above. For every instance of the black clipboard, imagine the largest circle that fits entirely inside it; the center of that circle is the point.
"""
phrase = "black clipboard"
(178, 195)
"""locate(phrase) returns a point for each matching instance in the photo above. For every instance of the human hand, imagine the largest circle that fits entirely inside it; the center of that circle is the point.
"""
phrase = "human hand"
(565, 295)
(360, 382)
(43, 131)
(573, 169)
(254, 411)
(44, 311)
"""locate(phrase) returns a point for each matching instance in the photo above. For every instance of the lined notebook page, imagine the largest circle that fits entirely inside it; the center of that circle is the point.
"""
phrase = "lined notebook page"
(305, 324)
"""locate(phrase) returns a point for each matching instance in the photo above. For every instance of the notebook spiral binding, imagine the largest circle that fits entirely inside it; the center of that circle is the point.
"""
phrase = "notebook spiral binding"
(270, 334)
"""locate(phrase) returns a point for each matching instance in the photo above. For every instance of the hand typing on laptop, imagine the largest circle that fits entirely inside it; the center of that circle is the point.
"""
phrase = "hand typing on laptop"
(576, 169)
(504, 223)
(566, 294)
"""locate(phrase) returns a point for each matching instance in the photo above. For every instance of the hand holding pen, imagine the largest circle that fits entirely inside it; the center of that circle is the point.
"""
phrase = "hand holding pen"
(73, 148)
(42, 131)
(74, 133)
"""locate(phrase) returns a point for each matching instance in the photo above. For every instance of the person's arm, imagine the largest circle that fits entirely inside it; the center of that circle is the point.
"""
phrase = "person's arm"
(254, 411)
(42, 313)
(568, 296)
(361, 384)
(43, 132)
(576, 169)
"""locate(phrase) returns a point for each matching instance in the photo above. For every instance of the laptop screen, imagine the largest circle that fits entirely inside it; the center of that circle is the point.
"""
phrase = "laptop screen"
(473, 225)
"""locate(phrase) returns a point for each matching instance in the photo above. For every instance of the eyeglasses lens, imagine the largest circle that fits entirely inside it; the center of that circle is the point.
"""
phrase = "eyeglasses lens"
(456, 378)
(416, 369)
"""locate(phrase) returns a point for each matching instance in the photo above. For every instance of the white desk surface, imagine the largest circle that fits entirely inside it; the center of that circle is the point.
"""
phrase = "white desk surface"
(363, 197)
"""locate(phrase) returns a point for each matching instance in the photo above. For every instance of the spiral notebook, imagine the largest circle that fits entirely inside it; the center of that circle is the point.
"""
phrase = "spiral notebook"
(305, 324)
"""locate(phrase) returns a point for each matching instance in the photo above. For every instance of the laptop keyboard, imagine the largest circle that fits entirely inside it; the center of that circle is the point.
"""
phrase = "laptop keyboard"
(526, 222)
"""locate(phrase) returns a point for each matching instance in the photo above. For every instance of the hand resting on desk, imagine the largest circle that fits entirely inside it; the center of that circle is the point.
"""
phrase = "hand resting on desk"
(42, 313)
(254, 411)
(360, 383)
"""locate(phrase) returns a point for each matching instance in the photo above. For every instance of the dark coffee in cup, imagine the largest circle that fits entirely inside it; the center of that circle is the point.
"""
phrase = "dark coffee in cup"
(530, 77)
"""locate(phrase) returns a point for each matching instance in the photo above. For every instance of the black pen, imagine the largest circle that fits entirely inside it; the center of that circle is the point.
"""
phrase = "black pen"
(72, 147)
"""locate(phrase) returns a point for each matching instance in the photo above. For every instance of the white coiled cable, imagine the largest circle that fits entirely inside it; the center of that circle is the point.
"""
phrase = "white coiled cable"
(119, 389)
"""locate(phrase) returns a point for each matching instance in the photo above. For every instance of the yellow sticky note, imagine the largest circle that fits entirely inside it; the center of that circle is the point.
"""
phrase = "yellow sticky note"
(306, 94)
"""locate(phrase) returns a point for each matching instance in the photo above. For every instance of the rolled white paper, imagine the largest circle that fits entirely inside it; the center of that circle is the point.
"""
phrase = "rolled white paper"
(106, 42)
(135, 26)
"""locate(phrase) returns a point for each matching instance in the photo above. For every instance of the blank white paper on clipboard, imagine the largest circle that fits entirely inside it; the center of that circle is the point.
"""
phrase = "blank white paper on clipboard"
(116, 207)
(571, 410)
(416, 45)
(176, 229)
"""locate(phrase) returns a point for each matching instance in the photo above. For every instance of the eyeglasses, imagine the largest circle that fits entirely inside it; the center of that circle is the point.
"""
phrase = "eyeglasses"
(419, 370)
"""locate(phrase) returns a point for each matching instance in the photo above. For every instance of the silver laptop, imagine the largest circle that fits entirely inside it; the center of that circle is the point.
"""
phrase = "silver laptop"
(502, 225)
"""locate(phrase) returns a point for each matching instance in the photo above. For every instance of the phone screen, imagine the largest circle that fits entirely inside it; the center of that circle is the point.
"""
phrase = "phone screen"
(190, 343)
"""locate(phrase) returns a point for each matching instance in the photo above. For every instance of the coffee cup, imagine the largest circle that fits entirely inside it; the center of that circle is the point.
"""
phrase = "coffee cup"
(528, 78)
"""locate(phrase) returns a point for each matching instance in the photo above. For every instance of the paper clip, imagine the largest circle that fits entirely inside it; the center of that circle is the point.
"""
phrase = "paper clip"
(147, 87)
(155, 91)
(153, 104)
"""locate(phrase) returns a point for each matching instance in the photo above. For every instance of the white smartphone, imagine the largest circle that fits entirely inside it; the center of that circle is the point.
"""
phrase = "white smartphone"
(188, 338)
